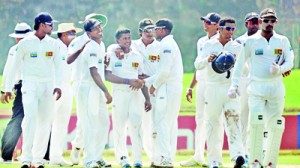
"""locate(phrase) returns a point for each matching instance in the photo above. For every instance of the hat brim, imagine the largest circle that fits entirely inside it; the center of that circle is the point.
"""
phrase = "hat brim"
(269, 15)
(253, 17)
(149, 27)
(204, 18)
(14, 35)
(78, 30)
(102, 18)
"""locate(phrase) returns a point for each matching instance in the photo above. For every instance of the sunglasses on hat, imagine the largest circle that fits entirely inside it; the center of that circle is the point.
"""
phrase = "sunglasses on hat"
(209, 22)
(253, 22)
(147, 30)
(49, 24)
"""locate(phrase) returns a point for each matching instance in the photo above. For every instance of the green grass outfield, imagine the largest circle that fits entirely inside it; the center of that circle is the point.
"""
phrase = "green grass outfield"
(287, 159)
(292, 102)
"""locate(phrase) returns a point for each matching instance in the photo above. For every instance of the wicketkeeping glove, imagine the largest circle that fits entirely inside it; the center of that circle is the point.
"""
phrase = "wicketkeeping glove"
(233, 92)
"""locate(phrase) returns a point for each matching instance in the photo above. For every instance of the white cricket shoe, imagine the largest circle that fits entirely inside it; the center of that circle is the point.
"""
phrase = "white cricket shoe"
(75, 155)
(164, 163)
(192, 162)
(214, 164)
(124, 162)
(103, 164)
(91, 164)
(62, 162)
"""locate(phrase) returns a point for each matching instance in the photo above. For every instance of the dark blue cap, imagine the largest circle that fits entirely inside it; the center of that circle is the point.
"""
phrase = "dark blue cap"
(164, 23)
(90, 24)
(251, 15)
(43, 17)
(212, 17)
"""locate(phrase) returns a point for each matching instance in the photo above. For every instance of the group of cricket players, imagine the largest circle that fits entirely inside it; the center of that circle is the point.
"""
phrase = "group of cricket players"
(146, 80)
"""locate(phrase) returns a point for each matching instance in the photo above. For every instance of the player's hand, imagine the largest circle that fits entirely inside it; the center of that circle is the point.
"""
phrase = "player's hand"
(211, 57)
(136, 84)
(189, 95)
(152, 91)
(108, 97)
(233, 92)
(287, 73)
(84, 45)
(148, 106)
(275, 68)
(7, 97)
(57, 91)
(119, 53)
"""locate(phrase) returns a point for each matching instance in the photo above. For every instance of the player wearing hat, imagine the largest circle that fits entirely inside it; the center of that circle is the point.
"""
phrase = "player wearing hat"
(215, 109)
(74, 57)
(66, 33)
(270, 55)
(210, 24)
(38, 57)
(13, 129)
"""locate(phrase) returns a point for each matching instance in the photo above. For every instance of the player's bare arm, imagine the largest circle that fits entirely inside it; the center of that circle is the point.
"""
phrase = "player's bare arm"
(74, 56)
(189, 91)
(97, 79)
(148, 105)
(134, 83)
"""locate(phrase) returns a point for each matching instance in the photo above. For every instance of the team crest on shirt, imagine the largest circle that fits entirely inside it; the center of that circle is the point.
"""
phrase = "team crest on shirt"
(167, 51)
(93, 55)
(118, 64)
(259, 52)
(49, 54)
(100, 61)
(153, 58)
(135, 65)
(33, 54)
(278, 51)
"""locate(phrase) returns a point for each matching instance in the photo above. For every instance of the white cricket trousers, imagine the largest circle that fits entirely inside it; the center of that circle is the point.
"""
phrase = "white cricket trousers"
(94, 120)
(78, 140)
(200, 133)
(244, 116)
(168, 101)
(147, 127)
(38, 106)
(127, 109)
(218, 104)
(62, 113)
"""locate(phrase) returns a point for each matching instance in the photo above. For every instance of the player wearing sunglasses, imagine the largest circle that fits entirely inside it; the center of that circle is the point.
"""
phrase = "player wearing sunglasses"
(270, 55)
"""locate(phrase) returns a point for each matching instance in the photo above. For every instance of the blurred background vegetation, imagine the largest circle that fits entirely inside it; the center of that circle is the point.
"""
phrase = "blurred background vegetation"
(184, 13)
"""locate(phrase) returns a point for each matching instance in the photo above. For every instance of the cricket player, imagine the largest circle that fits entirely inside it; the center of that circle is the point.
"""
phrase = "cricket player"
(74, 57)
(217, 103)
(92, 101)
(166, 86)
(210, 24)
(270, 55)
(40, 62)
(62, 111)
(252, 24)
(13, 129)
(127, 107)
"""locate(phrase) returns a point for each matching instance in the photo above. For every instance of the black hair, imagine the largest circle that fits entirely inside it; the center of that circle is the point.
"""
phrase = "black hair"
(121, 31)
(225, 20)
(59, 35)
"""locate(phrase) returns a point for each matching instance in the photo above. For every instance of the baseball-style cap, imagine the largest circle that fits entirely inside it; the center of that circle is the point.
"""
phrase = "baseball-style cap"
(44, 17)
(251, 15)
(90, 24)
(100, 17)
(164, 23)
(21, 30)
(268, 12)
(146, 24)
(211, 17)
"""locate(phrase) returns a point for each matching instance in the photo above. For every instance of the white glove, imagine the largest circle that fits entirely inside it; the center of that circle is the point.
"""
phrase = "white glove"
(275, 69)
(233, 92)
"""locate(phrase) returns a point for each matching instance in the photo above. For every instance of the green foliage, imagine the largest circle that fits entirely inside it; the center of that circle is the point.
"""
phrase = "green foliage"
(184, 13)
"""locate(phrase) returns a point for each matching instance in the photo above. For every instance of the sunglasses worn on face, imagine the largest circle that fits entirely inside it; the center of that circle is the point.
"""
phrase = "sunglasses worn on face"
(228, 28)
(269, 20)
(252, 22)
(147, 30)
(49, 24)
(209, 22)
(159, 27)
(71, 33)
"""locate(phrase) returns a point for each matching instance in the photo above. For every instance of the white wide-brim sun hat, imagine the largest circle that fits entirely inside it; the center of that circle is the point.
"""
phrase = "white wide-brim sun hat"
(65, 27)
(21, 30)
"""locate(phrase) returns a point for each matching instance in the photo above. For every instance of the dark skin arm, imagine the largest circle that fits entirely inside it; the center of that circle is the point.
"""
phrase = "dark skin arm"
(97, 79)
(74, 56)
(148, 105)
(135, 84)
(189, 92)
